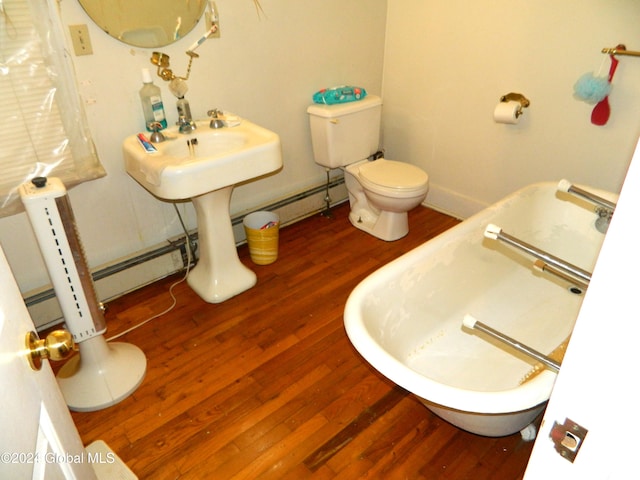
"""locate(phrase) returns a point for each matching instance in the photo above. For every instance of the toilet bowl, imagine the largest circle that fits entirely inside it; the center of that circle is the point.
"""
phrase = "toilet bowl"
(381, 192)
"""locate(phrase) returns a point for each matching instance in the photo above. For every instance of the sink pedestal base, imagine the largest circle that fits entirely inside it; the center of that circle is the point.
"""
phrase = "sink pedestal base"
(219, 274)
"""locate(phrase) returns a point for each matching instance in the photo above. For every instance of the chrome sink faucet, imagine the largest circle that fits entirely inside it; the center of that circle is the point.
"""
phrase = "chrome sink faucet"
(185, 125)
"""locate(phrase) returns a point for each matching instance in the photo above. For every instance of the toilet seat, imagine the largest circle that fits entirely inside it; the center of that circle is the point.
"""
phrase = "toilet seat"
(392, 177)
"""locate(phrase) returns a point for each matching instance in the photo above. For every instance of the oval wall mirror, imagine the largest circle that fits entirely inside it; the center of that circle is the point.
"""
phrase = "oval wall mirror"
(145, 23)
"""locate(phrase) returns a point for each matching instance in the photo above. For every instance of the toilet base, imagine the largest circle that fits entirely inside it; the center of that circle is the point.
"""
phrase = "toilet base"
(387, 226)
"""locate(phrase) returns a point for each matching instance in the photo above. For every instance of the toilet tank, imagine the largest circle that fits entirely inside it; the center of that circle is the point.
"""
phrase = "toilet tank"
(345, 133)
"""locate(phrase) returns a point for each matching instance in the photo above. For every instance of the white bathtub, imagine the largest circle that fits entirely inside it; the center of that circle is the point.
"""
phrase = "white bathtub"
(406, 318)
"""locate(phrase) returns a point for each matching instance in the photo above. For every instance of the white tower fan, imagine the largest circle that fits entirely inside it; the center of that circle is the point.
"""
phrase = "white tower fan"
(103, 373)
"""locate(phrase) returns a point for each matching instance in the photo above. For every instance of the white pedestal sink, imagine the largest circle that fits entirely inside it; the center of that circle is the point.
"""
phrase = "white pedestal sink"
(204, 166)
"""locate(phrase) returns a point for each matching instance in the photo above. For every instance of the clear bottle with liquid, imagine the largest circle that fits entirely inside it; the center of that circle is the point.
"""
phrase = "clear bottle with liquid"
(151, 100)
(184, 110)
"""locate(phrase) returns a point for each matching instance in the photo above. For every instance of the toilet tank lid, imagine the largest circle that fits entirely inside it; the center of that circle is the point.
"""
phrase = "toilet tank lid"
(340, 109)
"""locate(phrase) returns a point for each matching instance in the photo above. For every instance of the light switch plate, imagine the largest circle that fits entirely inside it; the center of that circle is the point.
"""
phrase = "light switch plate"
(80, 39)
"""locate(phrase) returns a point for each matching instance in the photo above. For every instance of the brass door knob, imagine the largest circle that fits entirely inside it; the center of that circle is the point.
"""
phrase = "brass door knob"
(58, 345)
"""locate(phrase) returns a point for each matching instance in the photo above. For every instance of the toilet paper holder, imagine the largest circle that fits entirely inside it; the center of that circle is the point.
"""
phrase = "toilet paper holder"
(516, 97)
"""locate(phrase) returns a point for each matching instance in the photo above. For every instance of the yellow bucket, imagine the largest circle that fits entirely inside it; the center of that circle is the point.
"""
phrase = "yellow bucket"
(262, 230)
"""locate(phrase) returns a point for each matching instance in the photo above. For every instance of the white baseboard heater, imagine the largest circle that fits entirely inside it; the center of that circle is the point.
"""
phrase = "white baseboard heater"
(151, 265)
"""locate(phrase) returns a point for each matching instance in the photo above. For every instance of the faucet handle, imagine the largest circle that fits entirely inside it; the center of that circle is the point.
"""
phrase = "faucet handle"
(215, 120)
(156, 136)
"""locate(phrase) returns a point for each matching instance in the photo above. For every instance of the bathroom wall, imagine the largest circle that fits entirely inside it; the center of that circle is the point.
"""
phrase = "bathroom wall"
(263, 68)
(445, 66)
(448, 63)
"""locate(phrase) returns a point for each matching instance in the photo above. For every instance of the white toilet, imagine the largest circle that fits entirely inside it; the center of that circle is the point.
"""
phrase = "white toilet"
(381, 191)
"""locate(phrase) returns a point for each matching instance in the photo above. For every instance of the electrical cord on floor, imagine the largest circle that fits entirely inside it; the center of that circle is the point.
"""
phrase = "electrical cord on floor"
(190, 256)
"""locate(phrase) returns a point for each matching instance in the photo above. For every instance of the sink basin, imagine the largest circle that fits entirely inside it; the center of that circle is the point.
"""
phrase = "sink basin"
(222, 157)
(203, 166)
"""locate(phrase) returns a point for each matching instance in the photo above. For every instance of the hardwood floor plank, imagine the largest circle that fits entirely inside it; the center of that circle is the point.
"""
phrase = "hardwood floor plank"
(369, 452)
(231, 426)
(356, 427)
(393, 453)
(284, 455)
(267, 385)
(401, 433)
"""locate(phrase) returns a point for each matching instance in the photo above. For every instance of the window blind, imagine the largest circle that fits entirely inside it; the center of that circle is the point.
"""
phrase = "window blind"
(43, 129)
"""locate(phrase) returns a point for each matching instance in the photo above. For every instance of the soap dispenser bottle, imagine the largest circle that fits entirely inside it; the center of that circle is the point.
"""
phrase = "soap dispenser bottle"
(151, 99)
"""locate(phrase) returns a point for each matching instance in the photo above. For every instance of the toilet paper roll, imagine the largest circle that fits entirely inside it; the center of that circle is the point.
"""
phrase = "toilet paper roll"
(507, 112)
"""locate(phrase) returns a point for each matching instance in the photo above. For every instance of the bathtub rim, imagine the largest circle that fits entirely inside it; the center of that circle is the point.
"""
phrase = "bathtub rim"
(519, 398)
(516, 399)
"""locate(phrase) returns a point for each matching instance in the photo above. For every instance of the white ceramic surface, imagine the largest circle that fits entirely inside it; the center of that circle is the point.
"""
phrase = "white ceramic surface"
(221, 158)
(406, 318)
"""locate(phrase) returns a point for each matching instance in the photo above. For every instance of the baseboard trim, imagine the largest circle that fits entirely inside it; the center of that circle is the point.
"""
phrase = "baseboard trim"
(452, 203)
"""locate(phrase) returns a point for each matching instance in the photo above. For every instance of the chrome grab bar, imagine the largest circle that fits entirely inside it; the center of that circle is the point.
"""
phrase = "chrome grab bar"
(567, 186)
(473, 324)
(495, 233)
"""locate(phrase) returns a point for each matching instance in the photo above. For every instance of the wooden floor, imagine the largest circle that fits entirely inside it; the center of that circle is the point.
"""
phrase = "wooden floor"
(266, 385)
